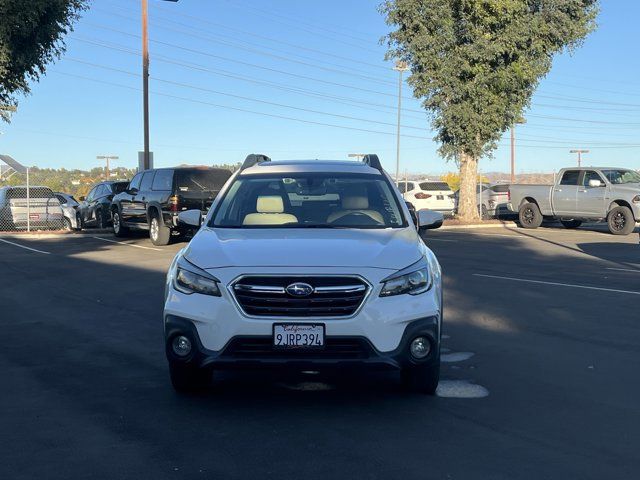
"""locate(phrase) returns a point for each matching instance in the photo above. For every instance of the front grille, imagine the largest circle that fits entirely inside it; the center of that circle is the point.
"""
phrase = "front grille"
(261, 348)
(268, 296)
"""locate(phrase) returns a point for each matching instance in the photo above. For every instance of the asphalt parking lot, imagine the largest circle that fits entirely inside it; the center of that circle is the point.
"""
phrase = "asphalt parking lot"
(540, 375)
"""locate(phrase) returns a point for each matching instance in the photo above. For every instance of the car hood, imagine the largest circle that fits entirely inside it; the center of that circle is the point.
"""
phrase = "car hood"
(287, 247)
(627, 187)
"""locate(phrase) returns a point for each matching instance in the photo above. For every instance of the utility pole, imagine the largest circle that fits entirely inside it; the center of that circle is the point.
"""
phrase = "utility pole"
(400, 67)
(145, 78)
(513, 149)
(579, 152)
(107, 158)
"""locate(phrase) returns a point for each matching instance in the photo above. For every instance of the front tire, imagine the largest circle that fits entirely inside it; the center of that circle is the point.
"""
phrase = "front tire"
(119, 230)
(571, 224)
(530, 216)
(159, 233)
(100, 219)
(66, 224)
(421, 379)
(620, 221)
(185, 379)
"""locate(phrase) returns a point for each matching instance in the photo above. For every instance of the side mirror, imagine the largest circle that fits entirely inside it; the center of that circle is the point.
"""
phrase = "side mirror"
(429, 220)
(412, 213)
(193, 218)
(82, 198)
(595, 183)
(132, 191)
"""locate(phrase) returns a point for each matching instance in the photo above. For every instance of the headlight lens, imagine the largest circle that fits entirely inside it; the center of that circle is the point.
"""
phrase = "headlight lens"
(413, 283)
(189, 282)
(636, 199)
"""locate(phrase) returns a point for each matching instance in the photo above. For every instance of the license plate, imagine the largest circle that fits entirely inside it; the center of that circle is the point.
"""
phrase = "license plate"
(298, 335)
(34, 216)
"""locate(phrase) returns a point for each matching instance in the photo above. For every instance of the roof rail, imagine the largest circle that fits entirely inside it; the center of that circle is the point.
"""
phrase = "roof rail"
(254, 159)
(373, 161)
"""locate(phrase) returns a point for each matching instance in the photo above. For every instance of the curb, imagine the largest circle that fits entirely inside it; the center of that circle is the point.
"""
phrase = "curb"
(476, 226)
(55, 235)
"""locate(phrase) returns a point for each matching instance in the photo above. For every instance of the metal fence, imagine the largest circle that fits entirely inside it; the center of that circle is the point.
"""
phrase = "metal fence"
(27, 206)
(39, 199)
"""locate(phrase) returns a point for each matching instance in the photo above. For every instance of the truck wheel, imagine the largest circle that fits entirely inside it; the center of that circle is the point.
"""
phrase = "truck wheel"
(119, 230)
(421, 379)
(530, 216)
(571, 223)
(620, 221)
(159, 233)
(188, 379)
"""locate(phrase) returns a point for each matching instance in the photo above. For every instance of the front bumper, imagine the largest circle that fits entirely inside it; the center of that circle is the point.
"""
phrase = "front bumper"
(340, 352)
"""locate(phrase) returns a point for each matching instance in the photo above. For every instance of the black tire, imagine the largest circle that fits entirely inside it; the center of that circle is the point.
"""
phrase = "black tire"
(421, 379)
(66, 224)
(100, 219)
(185, 379)
(79, 224)
(119, 230)
(620, 221)
(159, 233)
(571, 224)
(529, 216)
(484, 214)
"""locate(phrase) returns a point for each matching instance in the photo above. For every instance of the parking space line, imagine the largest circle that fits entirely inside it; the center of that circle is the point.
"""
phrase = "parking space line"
(128, 244)
(441, 240)
(625, 270)
(557, 284)
(25, 247)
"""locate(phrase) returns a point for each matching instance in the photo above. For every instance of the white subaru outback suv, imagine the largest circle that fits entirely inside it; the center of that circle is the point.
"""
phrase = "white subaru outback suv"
(307, 265)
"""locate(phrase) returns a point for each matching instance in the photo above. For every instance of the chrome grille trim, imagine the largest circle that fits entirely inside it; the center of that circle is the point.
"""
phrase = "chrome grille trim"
(241, 285)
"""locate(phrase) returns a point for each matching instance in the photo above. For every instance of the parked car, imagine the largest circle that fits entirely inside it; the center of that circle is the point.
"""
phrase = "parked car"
(69, 210)
(428, 194)
(153, 199)
(35, 208)
(493, 200)
(579, 194)
(337, 278)
(95, 209)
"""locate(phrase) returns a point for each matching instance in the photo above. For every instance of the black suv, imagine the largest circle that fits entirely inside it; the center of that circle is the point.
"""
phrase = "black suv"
(153, 199)
(95, 209)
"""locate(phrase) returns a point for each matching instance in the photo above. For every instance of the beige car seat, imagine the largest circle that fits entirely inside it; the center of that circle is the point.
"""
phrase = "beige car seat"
(355, 204)
(270, 211)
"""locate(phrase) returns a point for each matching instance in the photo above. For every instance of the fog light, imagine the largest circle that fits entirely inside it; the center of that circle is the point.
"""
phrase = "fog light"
(420, 347)
(181, 346)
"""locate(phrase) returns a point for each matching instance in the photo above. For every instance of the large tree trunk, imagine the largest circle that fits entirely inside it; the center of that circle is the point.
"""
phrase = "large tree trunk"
(467, 204)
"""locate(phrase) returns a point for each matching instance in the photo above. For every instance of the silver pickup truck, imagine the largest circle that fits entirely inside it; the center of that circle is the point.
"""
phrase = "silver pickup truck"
(580, 194)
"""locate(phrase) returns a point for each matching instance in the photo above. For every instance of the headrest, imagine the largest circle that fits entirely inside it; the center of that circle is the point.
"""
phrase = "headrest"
(355, 203)
(270, 204)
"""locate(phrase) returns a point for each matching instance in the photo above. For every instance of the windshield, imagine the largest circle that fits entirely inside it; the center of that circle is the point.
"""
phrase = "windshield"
(205, 180)
(618, 177)
(314, 200)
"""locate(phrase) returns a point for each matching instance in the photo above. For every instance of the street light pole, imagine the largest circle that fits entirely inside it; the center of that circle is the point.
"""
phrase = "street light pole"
(579, 152)
(107, 158)
(400, 67)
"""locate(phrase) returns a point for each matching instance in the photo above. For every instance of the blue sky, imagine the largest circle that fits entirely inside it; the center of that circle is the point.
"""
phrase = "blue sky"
(298, 79)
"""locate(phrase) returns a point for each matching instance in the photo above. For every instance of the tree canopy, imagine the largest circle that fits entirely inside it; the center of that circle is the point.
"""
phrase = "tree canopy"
(475, 64)
(31, 37)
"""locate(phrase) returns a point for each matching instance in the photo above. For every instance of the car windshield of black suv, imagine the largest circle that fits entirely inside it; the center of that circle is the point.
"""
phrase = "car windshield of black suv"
(618, 177)
(314, 200)
(200, 180)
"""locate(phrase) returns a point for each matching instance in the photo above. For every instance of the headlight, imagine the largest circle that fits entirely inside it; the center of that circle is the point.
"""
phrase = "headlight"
(636, 199)
(186, 280)
(413, 280)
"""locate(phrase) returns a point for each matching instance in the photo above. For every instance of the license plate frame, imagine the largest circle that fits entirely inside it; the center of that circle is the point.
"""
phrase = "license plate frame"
(310, 328)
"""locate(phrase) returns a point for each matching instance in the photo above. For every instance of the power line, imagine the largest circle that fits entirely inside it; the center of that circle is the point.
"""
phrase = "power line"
(251, 99)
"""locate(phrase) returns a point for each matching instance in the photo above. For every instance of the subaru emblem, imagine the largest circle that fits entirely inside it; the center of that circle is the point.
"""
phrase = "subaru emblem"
(299, 289)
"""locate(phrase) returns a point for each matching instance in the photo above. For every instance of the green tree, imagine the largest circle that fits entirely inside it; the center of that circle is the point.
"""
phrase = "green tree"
(475, 65)
(31, 37)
